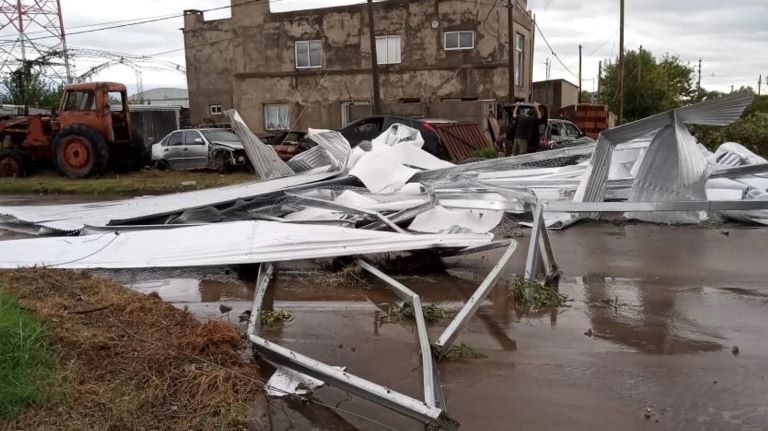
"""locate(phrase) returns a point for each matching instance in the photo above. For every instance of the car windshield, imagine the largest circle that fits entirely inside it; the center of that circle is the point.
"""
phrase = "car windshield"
(220, 135)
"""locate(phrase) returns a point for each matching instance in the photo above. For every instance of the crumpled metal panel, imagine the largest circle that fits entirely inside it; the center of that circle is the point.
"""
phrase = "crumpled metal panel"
(263, 157)
(73, 217)
(462, 140)
(218, 244)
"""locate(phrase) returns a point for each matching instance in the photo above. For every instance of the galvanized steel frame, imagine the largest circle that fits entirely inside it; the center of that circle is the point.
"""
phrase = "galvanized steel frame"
(540, 249)
(430, 411)
(446, 339)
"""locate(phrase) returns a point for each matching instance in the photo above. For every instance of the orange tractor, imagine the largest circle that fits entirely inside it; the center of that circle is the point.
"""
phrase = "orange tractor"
(91, 133)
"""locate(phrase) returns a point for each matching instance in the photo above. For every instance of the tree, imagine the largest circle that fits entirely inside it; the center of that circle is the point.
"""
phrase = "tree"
(650, 85)
(26, 86)
(751, 130)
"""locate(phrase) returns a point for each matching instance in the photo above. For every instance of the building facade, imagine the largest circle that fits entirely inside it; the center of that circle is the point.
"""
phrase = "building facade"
(555, 93)
(308, 68)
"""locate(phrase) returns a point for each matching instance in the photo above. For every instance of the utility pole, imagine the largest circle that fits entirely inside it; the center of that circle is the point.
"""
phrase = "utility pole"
(511, 43)
(621, 63)
(759, 85)
(579, 98)
(599, 75)
(374, 62)
(698, 83)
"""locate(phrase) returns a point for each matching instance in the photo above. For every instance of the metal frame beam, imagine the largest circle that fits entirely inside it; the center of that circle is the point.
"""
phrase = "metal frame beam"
(446, 339)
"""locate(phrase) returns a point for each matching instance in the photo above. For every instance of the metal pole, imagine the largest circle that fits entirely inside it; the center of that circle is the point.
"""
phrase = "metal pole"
(599, 75)
(511, 43)
(381, 395)
(621, 63)
(533, 52)
(443, 344)
(67, 66)
(759, 85)
(579, 98)
(374, 62)
(698, 83)
(408, 295)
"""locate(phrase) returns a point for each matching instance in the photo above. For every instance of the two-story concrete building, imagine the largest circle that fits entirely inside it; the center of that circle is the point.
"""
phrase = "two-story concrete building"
(311, 68)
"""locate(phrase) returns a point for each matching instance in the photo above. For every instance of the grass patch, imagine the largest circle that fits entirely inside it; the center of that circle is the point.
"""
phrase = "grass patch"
(486, 153)
(26, 361)
(463, 352)
(533, 296)
(146, 181)
(129, 361)
(432, 313)
(276, 317)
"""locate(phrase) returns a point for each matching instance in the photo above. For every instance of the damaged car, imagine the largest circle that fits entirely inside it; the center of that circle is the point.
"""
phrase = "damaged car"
(216, 149)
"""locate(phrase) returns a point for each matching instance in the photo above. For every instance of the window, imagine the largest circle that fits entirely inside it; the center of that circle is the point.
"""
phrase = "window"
(571, 130)
(173, 140)
(388, 49)
(276, 116)
(193, 138)
(80, 101)
(214, 109)
(459, 40)
(308, 54)
(519, 58)
(115, 101)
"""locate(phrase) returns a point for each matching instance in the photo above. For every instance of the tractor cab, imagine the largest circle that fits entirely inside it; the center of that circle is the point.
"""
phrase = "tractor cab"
(102, 106)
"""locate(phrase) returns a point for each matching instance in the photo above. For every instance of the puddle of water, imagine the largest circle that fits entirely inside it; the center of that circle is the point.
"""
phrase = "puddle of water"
(654, 345)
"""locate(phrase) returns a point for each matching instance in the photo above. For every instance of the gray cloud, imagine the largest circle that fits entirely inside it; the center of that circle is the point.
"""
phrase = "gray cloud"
(731, 37)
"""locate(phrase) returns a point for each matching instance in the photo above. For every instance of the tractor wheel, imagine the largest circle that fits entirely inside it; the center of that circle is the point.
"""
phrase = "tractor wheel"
(12, 164)
(80, 151)
(141, 157)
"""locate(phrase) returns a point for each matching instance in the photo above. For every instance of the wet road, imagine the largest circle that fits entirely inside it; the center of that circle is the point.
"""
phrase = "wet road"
(665, 306)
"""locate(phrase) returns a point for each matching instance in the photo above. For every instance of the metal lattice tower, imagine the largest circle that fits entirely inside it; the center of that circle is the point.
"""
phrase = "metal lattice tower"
(37, 36)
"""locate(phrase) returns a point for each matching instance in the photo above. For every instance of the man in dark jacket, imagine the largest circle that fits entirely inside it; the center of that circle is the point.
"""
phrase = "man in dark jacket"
(526, 131)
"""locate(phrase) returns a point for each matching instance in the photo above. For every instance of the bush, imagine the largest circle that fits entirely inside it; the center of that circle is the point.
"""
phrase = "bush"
(750, 131)
(486, 153)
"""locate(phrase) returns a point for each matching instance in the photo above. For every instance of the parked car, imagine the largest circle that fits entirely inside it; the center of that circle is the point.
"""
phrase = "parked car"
(217, 149)
(368, 128)
(562, 133)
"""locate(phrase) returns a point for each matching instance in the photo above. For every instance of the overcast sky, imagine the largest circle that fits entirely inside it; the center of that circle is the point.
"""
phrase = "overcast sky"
(731, 37)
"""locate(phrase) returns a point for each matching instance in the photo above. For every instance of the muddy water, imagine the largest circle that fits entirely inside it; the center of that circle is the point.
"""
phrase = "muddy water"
(664, 307)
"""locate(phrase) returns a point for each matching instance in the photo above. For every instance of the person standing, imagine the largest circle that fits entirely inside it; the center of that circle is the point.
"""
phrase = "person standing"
(524, 132)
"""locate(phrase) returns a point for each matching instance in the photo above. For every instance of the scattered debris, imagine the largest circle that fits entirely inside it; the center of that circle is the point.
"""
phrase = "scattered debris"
(648, 413)
(432, 313)
(589, 333)
(532, 296)
(276, 317)
(735, 350)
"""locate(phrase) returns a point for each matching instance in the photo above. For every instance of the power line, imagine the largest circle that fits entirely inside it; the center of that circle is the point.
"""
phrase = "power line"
(151, 20)
(552, 51)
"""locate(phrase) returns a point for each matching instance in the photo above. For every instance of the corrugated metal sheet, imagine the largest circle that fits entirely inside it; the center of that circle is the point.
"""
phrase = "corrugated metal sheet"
(461, 140)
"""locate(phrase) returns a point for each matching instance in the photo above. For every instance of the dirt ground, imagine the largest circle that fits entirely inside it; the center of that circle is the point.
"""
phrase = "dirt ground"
(647, 341)
(128, 361)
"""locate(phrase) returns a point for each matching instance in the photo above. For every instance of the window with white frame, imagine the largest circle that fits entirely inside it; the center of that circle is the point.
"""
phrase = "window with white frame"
(214, 109)
(388, 50)
(519, 58)
(453, 40)
(309, 54)
(276, 116)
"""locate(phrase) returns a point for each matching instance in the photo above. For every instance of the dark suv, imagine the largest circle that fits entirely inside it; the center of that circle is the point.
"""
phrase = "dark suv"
(368, 128)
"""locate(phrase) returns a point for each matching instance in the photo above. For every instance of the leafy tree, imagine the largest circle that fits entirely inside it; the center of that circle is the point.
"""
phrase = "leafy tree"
(26, 86)
(751, 130)
(651, 85)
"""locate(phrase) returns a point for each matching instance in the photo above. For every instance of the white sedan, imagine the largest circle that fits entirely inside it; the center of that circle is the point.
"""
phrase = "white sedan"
(217, 149)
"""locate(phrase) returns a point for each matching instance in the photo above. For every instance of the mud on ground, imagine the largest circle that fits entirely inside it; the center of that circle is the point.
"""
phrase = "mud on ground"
(129, 361)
